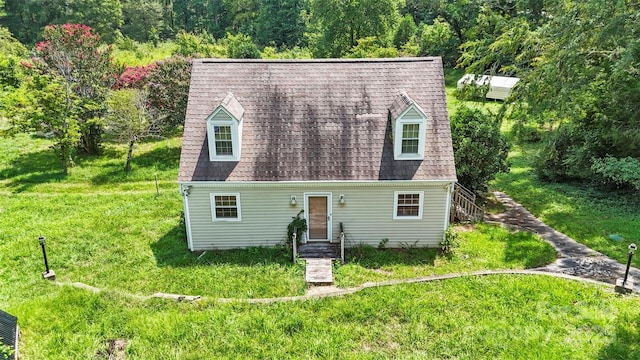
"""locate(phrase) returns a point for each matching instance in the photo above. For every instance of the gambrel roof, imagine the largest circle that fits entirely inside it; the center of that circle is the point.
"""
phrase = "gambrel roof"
(317, 119)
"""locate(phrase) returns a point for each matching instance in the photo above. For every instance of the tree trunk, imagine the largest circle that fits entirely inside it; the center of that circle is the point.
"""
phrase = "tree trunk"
(127, 167)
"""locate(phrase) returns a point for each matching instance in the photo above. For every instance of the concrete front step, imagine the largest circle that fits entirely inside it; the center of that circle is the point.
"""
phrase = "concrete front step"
(319, 271)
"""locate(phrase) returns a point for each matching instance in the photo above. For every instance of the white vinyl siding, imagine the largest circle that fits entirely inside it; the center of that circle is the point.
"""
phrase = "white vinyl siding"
(266, 212)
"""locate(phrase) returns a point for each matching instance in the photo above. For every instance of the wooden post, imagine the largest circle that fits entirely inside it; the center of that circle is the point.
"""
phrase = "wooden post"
(155, 176)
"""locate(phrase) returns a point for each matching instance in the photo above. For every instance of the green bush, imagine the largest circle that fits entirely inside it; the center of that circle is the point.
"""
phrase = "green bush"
(480, 149)
(623, 172)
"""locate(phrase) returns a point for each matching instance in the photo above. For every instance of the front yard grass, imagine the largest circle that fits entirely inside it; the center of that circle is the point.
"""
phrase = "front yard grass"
(494, 317)
(113, 231)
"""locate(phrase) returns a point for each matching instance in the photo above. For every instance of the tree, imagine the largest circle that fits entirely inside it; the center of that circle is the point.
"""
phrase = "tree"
(168, 89)
(26, 19)
(73, 52)
(480, 149)
(140, 17)
(340, 24)
(584, 83)
(46, 103)
(241, 46)
(437, 40)
(11, 51)
(280, 23)
(130, 119)
(405, 31)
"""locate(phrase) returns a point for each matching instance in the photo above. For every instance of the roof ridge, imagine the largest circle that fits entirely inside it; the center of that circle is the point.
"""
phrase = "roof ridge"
(326, 60)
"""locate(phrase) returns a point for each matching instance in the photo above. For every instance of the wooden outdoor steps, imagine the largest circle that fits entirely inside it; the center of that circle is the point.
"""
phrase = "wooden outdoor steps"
(319, 259)
(319, 271)
(320, 250)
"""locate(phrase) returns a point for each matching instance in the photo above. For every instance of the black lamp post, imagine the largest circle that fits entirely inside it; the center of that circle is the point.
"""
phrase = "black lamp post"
(48, 274)
(632, 250)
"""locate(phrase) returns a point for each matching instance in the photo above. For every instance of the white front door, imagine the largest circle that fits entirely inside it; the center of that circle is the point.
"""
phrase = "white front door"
(318, 215)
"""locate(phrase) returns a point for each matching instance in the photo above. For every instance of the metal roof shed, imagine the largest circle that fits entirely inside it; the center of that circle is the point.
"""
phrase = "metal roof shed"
(499, 86)
(9, 332)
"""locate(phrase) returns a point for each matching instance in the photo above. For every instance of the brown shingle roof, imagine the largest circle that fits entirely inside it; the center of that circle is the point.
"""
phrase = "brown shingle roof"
(317, 119)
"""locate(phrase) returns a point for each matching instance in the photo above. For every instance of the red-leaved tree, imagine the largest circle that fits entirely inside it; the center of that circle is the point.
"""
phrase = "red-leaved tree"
(74, 52)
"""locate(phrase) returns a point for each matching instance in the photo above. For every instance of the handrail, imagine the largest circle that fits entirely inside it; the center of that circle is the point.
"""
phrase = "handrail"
(294, 242)
(341, 243)
(463, 205)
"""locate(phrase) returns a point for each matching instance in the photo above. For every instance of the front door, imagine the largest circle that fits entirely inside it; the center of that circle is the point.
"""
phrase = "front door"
(318, 216)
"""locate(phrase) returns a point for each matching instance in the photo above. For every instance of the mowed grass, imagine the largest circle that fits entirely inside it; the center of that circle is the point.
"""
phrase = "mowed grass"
(493, 317)
(116, 232)
(586, 214)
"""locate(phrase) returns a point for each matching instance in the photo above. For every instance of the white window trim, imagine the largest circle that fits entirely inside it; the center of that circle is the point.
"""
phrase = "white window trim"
(400, 122)
(233, 123)
(212, 198)
(420, 205)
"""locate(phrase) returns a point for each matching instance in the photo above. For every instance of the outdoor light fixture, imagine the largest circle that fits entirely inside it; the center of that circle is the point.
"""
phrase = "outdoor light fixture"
(624, 286)
(48, 274)
(341, 200)
(293, 200)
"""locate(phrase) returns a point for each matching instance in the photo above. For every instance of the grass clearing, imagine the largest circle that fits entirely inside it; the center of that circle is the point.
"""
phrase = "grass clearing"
(587, 215)
(507, 317)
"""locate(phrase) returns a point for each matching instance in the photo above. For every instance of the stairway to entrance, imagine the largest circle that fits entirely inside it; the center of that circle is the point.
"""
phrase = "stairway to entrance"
(319, 259)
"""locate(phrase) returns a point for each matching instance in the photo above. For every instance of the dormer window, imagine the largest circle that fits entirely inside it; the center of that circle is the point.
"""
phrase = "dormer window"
(409, 125)
(224, 130)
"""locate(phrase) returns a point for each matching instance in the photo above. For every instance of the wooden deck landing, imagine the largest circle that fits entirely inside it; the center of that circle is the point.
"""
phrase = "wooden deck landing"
(319, 250)
(319, 271)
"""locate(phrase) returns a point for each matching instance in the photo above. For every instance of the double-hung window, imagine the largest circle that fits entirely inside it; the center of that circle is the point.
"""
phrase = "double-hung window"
(226, 207)
(223, 140)
(408, 205)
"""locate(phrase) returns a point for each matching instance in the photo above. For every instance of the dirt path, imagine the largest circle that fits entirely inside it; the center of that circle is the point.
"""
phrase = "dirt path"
(574, 258)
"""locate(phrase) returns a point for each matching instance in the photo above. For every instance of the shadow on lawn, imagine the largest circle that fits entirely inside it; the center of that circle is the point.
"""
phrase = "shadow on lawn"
(523, 248)
(624, 344)
(373, 258)
(33, 168)
(171, 250)
(159, 159)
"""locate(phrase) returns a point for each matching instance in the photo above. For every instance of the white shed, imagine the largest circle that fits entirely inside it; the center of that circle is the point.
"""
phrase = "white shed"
(499, 86)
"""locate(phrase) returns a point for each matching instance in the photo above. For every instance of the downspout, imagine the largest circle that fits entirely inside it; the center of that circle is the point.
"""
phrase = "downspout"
(447, 214)
(185, 190)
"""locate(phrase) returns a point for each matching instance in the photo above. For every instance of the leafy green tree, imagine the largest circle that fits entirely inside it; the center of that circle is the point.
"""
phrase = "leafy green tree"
(338, 25)
(11, 51)
(438, 40)
(280, 23)
(369, 48)
(140, 17)
(26, 19)
(480, 149)
(46, 103)
(130, 119)
(241, 46)
(584, 83)
(73, 52)
(405, 31)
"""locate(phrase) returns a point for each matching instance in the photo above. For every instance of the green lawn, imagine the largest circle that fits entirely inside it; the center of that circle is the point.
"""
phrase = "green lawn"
(506, 317)
(585, 214)
(119, 232)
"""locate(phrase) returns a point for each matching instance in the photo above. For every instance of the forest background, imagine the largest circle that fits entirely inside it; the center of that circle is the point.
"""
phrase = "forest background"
(578, 61)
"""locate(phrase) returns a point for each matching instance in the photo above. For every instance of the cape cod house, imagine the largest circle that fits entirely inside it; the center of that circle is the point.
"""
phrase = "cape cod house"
(365, 143)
